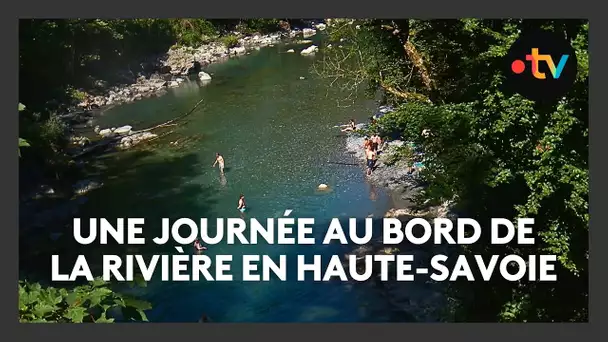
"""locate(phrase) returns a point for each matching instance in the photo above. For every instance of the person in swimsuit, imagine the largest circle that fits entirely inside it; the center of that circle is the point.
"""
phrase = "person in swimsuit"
(352, 126)
(378, 141)
(366, 143)
(370, 155)
(199, 246)
(220, 161)
(241, 205)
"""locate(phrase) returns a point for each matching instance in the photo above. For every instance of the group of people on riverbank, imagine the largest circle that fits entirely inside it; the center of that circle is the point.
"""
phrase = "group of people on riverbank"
(372, 147)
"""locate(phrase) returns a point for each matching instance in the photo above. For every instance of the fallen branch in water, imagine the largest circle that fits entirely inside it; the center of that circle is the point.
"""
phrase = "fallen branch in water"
(170, 122)
(111, 140)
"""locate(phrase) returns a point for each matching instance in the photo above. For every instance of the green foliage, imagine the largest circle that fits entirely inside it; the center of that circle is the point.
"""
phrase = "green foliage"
(497, 155)
(22, 142)
(78, 95)
(258, 25)
(192, 32)
(230, 41)
(398, 154)
(84, 304)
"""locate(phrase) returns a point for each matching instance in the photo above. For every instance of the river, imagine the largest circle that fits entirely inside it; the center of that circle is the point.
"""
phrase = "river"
(276, 132)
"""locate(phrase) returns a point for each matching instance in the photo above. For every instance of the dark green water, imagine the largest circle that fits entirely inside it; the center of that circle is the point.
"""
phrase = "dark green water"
(276, 134)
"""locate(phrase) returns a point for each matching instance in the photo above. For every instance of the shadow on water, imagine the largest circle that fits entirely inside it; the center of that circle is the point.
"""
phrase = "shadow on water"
(161, 183)
(309, 300)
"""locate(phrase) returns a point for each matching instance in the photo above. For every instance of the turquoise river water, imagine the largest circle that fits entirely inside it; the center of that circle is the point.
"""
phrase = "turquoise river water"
(277, 135)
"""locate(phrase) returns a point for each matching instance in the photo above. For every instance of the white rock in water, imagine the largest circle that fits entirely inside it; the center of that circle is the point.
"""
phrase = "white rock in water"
(302, 77)
(291, 51)
(203, 76)
(123, 130)
(309, 50)
(105, 132)
(308, 32)
(322, 186)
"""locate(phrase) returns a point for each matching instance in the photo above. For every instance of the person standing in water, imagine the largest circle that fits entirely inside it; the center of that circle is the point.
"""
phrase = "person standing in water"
(241, 205)
(220, 161)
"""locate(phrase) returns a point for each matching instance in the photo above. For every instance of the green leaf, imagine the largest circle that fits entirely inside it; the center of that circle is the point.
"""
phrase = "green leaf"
(73, 298)
(75, 314)
(137, 304)
(21, 107)
(98, 295)
(23, 143)
(143, 316)
(42, 309)
(98, 282)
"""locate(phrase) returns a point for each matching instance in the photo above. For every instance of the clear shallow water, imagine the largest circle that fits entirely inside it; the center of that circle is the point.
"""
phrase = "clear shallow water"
(277, 136)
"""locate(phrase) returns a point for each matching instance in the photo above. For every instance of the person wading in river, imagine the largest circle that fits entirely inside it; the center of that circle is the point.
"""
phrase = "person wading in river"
(241, 205)
(220, 161)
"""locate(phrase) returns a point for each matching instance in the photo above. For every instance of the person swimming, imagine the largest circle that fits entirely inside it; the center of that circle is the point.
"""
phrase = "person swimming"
(220, 161)
(199, 246)
(241, 205)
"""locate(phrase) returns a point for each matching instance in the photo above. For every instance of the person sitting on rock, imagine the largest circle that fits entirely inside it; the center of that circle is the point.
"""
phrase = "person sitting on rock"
(352, 126)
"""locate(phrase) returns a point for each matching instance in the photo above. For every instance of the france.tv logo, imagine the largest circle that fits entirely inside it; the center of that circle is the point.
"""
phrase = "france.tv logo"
(541, 66)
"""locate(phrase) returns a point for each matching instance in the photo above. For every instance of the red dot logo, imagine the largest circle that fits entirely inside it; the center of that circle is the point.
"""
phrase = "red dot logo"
(518, 66)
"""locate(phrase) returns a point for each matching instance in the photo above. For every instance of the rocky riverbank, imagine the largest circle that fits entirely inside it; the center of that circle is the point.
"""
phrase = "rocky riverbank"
(423, 300)
(170, 71)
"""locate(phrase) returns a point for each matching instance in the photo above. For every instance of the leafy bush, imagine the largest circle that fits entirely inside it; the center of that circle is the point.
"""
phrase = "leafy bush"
(78, 95)
(192, 32)
(230, 41)
(93, 303)
(398, 153)
(259, 25)
(53, 131)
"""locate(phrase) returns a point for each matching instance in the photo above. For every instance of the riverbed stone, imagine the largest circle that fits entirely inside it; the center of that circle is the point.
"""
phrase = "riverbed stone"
(123, 130)
(308, 32)
(309, 50)
(203, 76)
(105, 132)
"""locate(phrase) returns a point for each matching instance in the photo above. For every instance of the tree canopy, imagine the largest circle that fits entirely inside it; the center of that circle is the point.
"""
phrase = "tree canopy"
(494, 154)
